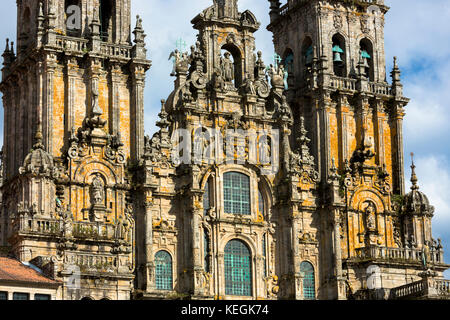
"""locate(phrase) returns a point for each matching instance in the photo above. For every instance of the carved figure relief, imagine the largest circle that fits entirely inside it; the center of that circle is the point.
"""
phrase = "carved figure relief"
(97, 191)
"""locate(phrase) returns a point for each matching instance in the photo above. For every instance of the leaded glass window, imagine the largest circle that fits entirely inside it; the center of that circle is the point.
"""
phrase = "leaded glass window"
(238, 269)
(261, 203)
(164, 277)
(206, 201)
(309, 287)
(237, 193)
(206, 250)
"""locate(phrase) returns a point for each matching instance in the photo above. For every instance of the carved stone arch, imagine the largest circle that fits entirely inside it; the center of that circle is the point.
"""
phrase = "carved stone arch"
(83, 171)
(248, 15)
(238, 55)
(364, 195)
(248, 241)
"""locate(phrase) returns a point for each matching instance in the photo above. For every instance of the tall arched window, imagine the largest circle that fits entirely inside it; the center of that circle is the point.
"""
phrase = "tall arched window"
(307, 52)
(339, 56)
(236, 193)
(73, 17)
(309, 284)
(164, 277)
(206, 200)
(206, 251)
(106, 21)
(238, 269)
(366, 51)
(261, 207)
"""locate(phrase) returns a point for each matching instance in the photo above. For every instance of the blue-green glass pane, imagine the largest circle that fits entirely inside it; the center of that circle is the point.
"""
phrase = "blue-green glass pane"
(309, 286)
(238, 280)
(164, 277)
(237, 193)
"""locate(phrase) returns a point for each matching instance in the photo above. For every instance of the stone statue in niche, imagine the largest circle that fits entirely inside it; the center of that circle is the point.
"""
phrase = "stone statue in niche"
(97, 191)
(371, 219)
(264, 150)
(227, 67)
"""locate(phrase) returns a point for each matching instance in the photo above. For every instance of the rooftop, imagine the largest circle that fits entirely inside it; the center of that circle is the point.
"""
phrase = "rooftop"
(14, 270)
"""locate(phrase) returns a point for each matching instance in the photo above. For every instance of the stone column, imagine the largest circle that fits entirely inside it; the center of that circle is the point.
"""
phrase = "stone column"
(72, 73)
(50, 66)
(114, 114)
(399, 176)
(137, 111)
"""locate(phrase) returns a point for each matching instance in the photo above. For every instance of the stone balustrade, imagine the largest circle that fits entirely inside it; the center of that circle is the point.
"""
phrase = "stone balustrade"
(80, 45)
(399, 254)
(72, 44)
(427, 288)
(51, 227)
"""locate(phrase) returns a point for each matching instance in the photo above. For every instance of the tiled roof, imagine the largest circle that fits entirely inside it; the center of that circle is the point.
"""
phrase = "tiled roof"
(14, 270)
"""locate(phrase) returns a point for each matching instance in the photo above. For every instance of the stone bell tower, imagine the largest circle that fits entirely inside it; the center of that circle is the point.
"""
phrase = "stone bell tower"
(73, 100)
(334, 54)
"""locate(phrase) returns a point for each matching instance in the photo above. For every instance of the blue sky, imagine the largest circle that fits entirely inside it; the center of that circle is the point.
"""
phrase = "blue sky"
(416, 31)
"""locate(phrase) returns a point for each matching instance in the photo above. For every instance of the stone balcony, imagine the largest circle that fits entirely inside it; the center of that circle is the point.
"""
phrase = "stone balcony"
(427, 288)
(398, 255)
(292, 4)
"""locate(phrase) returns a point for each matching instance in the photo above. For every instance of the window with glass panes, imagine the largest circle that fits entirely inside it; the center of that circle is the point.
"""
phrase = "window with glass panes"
(21, 296)
(206, 203)
(309, 287)
(3, 296)
(238, 269)
(42, 297)
(236, 193)
(164, 277)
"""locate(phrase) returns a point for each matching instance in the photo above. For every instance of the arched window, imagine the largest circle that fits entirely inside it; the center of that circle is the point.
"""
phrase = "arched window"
(73, 17)
(307, 52)
(339, 56)
(206, 200)
(309, 284)
(366, 51)
(261, 207)
(106, 14)
(164, 277)
(238, 269)
(207, 250)
(236, 193)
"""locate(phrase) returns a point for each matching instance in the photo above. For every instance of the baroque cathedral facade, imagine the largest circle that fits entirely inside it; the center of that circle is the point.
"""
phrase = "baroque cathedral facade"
(271, 181)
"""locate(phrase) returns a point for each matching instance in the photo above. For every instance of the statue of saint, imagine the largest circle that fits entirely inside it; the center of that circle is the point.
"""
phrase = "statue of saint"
(371, 217)
(97, 190)
(227, 67)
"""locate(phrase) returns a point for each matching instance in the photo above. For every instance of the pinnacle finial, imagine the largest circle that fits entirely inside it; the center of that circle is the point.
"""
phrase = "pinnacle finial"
(38, 138)
(414, 179)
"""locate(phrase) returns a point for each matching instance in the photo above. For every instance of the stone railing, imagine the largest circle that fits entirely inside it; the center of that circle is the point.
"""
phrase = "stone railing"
(380, 88)
(117, 51)
(350, 84)
(72, 44)
(82, 46)
(398, 254)
(52, 227)
(293, 3)
(38, 226)
(93, 230)
(343, 83)
(427, 288)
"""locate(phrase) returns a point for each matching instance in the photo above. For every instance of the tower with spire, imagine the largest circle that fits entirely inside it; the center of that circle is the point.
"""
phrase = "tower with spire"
(73, 103)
